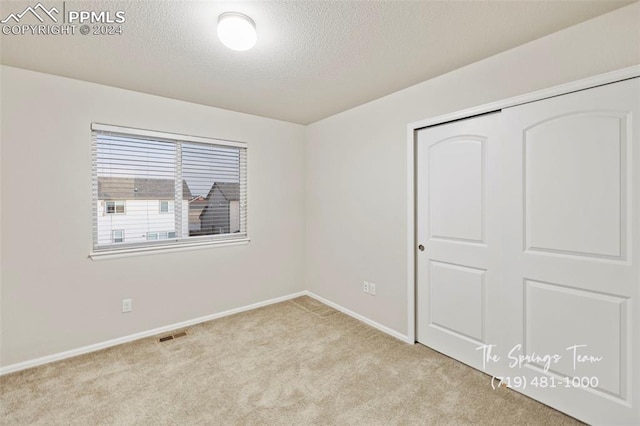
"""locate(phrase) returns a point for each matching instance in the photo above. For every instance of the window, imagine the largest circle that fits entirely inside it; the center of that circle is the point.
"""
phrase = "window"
(178, 190)
(117, 236)
(152, 236)
(114, 207)
(164, 207)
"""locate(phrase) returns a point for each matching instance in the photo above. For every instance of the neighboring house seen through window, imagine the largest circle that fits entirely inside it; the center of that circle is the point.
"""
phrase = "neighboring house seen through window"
(178, 190)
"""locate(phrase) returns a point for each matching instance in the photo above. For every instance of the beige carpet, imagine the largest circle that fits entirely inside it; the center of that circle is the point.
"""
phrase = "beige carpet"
(297, 362)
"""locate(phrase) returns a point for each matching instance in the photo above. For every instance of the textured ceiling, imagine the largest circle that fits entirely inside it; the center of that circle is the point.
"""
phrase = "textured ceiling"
(313, 58)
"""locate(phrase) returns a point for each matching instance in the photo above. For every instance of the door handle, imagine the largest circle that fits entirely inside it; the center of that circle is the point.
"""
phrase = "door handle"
(421, 247)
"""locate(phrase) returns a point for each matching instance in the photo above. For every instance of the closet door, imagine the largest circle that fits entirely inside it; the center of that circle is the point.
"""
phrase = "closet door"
(571, 251)
(458, 229)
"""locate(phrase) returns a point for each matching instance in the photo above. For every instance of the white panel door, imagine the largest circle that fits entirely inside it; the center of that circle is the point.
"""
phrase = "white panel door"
(529, 220)
(458, 174)
(571, 250)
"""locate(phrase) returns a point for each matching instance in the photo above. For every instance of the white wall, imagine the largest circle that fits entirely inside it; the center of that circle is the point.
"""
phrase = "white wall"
(53, 298)
(356, 161)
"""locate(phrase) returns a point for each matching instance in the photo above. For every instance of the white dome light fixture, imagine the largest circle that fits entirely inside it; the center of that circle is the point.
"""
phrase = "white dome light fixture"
(237, 31)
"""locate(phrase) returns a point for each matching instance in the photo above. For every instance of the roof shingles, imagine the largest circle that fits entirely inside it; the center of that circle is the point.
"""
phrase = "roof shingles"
(118, 188)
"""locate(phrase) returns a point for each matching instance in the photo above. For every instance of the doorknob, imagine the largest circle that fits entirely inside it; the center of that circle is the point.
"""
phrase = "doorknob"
(421, 247)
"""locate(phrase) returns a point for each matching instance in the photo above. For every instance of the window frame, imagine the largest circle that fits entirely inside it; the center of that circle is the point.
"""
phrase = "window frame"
(116, 204)
(174, 243)
(160, 202)
(158, 234)
(113, 236)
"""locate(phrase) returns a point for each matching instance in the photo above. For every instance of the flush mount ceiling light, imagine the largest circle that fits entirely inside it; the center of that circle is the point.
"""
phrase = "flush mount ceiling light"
(237, 31)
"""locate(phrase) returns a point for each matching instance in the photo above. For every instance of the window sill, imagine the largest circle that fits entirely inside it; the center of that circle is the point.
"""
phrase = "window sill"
(142, 251)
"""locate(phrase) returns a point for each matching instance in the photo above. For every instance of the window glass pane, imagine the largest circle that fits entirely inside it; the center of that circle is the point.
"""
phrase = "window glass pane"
(213, 176)
(118, 236)
(138, 173)
(152, 236)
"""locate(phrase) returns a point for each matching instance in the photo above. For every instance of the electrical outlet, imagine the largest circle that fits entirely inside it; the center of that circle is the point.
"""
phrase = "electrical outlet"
(127, 305)
(365, 286)
(372, 289)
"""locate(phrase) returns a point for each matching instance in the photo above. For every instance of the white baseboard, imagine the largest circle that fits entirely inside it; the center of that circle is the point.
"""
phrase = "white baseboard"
(114, 342)
(359, 317)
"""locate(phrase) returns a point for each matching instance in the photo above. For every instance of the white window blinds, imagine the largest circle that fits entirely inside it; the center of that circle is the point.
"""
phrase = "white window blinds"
(161, 190)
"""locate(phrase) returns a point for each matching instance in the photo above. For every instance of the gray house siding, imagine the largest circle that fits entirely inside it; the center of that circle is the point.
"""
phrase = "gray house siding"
(221, 213)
